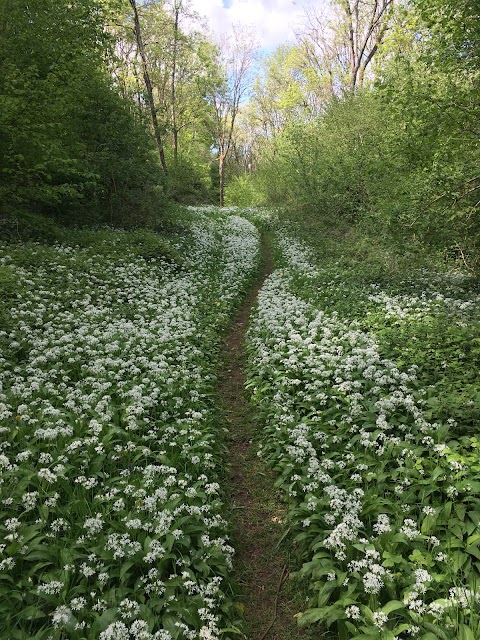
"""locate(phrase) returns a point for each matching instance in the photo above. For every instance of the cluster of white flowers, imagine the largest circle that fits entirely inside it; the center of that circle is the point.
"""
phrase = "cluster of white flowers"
(110, 457)
(438, 293)
(339, 418)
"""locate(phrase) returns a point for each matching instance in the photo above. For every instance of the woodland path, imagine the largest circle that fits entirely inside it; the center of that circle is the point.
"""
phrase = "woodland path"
(261, 567)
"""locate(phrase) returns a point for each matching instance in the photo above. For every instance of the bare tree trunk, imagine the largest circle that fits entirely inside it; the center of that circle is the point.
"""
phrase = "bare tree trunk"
(236, 57)
(365, 34)
(174, 73)
(137, 83)
(221, 175)
(352, 36)
(149, 87)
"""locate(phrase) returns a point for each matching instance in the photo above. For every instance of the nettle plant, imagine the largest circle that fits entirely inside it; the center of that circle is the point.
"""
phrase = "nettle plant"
(111, 515)
(383, 498)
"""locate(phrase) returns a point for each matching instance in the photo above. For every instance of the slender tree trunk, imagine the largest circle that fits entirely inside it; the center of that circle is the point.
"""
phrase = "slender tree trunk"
(174, 97)
(352, 36)
(221, 175)
(364, 46)
(138, 85)
(149, 87)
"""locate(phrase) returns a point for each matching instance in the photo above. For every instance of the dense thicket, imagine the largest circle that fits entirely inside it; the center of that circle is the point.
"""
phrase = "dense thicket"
(71, 147)
(398, 155)
(111, 108)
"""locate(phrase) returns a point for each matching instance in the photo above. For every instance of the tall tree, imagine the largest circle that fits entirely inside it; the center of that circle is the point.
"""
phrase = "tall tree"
(176, 8)
(366, 22)
(148, 85)
(181, 64)
(341, 41)
(236, 56)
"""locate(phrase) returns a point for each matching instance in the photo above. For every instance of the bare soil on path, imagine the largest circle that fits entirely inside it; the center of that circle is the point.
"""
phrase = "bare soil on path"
(261, 565)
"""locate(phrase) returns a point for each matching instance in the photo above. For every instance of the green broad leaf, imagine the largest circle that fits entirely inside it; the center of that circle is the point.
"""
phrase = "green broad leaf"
(334, 614)
(460, 510)
(437, 472)
(457, 531)
(341, 577)
(325, 591)
(428, 524)
(169, 624)
(454, 543)
(33, 613)
(391, 559)
(104, 620)
(401, 628)
(125, 567)
(399, 537)
(417, 556)
(474, 517)
(473, 550)
(447, 510)
(393, 605)
(169, 542)
(436, 631)
(473, 539)
(42, 555)
(465, 633)
(458, 560)
(311, 616)
(367, 613)
(146, 543)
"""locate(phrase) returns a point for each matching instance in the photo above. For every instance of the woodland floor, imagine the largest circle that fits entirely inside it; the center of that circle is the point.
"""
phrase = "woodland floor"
(261, 563)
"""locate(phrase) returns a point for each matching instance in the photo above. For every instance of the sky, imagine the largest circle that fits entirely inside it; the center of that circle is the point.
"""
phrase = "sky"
(273, 20)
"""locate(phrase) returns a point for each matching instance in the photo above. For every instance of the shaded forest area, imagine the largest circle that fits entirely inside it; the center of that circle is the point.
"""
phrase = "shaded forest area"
(110, 111)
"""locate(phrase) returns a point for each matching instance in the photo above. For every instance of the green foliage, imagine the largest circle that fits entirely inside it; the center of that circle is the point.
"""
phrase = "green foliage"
(328, 165)
(399, 159)
(70, 146)
(149, 245)
(189, 182)
(242, 191)
(23, 226)
(8, 283)
(366, 384)
(430, 94)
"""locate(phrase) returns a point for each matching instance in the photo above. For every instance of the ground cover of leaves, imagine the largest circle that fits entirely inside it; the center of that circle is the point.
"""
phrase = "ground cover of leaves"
(355, 379)
(111, 509)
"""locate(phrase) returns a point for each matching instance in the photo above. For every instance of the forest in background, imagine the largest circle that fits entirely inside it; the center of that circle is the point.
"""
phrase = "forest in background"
(111, 110)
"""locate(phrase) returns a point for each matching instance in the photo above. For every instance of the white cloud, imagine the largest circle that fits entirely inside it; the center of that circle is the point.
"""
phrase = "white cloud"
(273, 20)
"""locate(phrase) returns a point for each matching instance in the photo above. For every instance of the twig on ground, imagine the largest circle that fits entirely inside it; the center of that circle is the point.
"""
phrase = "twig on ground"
(275, 611)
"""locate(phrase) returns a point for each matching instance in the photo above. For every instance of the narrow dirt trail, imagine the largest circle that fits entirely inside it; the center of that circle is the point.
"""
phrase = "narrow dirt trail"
(260, 566)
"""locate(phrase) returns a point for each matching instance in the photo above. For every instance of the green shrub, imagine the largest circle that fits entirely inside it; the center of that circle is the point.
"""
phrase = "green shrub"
(149, 245)
(8, 292)
(8, 283)
(29, 227)
(242, 191)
